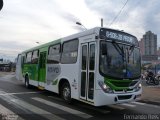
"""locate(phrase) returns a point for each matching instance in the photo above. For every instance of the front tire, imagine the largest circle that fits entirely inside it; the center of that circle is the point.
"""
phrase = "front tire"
(66, 92)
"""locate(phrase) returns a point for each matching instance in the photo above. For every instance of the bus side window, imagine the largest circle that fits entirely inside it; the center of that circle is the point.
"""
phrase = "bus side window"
(35, 57)
(70, 52)
(23, 58)
(92, 57)
(54, 54)
(28, 58)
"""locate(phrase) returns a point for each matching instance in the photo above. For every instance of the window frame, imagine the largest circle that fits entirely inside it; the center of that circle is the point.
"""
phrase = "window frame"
(59, 53)
(75, 39)
(31, 57)
(37, 57)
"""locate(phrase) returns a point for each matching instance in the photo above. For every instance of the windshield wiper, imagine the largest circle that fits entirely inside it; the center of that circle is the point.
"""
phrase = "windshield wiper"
(131, 49)
(119, 49)
(129, 52)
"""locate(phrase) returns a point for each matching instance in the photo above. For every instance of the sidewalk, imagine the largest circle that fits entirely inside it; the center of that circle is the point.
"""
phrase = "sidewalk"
(151, 94)
(2, 74)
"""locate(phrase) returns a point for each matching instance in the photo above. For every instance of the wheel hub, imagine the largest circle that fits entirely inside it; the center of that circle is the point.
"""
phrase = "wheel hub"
(66, 93)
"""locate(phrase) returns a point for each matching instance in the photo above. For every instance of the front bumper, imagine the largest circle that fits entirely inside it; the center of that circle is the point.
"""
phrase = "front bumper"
(103, 98)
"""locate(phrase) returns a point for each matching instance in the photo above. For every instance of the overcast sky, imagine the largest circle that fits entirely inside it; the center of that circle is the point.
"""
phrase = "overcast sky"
(25, 22)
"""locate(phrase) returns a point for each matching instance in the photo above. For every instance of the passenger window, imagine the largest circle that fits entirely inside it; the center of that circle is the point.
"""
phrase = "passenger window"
(84, 57)
(70, 52)
(28, 59)
(92, 57)
(54, 54)
(35, 57)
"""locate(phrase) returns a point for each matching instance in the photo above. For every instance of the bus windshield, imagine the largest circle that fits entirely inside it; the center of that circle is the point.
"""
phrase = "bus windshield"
(120, 61)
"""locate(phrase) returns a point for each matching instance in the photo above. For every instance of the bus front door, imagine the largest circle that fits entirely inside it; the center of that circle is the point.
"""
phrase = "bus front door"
(42, 69)
(87, 71)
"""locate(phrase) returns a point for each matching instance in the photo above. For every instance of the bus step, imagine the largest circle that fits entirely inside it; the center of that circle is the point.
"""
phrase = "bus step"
(40, 87)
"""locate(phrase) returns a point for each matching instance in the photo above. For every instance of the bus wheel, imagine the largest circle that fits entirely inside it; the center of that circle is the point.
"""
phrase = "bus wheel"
(27, 82)
(66, 92)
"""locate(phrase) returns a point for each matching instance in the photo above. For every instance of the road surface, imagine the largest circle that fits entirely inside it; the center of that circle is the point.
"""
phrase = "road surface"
(20, 103)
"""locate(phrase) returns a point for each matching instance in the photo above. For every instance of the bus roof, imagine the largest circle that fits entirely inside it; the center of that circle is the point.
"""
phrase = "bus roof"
(76, 35)
(87, 32)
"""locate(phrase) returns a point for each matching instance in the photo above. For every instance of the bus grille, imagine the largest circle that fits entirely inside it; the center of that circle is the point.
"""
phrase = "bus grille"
(123, 84)
(120, 84)
(123, 97)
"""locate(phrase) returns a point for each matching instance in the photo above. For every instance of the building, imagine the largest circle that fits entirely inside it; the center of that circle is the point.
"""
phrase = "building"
(158, 53)
(141, 45)
(150, 43)
(148, 46)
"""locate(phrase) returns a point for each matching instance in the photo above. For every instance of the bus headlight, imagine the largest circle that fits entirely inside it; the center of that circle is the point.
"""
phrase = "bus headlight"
(105, 87)
(138, 87)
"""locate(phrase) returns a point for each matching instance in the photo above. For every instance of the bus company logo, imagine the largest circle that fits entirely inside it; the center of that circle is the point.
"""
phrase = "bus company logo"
(125, 90)
(55, 70)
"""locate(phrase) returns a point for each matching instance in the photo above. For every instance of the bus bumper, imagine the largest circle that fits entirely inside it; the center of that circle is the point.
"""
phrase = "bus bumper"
(103, 98)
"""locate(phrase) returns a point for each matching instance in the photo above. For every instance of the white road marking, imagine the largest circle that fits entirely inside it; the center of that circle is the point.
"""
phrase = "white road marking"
(128, 105)
(61, 107)
(3, 94)
(11, 99)
(37, 110)
(116, 107)
(139, 103)
(6, 76)
(146, 104)
(152, 105)
(7, 114)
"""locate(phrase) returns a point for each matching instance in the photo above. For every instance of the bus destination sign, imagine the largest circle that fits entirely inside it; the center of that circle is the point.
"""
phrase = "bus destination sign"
(119, 36)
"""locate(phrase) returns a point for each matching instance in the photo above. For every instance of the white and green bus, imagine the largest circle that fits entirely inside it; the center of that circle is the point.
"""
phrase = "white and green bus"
(99, 66)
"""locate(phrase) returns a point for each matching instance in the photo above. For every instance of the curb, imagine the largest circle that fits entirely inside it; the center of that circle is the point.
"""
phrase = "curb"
(150, 102)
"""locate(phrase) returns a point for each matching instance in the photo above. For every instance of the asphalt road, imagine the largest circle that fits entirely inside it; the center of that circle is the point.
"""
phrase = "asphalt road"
(19, 103)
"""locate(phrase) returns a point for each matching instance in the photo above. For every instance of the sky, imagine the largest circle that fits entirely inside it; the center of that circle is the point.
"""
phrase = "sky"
(25, 22)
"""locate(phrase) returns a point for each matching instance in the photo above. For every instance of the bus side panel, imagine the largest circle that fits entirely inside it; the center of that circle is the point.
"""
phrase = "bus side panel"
(27, 69)
(52, 77)
(32, 70)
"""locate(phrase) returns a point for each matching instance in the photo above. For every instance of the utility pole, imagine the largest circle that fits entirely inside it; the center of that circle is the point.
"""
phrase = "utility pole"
(1, 4)
(101, 22)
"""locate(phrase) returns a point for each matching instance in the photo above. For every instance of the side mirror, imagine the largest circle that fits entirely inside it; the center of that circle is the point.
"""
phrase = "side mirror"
(1, 4)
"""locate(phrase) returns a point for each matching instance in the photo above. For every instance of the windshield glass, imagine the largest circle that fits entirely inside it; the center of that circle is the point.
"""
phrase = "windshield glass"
(119, 60)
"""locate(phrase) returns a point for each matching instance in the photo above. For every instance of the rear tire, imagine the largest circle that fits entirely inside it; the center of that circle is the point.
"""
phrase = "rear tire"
(27, 85)
(66, 92)
(156, 82)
